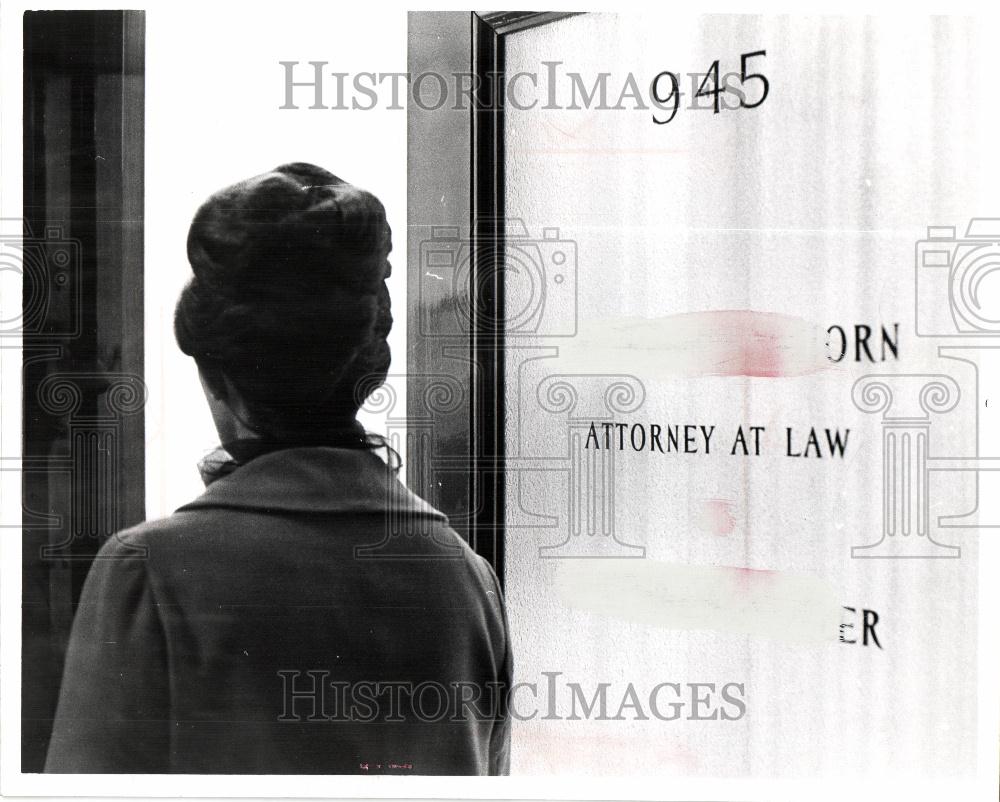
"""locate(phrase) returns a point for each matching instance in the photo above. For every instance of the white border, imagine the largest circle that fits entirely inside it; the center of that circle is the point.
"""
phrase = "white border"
(12, 782)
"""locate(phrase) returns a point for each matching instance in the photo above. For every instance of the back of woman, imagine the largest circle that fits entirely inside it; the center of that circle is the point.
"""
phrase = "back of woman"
(308, 613)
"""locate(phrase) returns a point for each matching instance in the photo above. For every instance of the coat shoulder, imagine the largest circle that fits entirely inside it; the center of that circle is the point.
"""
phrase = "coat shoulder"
(137, 538)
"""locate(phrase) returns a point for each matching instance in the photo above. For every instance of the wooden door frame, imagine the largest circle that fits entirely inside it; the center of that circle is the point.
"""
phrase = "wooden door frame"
(475, 501)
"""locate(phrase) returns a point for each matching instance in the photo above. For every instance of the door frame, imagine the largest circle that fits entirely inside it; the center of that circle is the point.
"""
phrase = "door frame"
(469, 487)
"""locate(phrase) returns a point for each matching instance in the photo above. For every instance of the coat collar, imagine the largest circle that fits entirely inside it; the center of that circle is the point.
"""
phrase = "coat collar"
(314, 479)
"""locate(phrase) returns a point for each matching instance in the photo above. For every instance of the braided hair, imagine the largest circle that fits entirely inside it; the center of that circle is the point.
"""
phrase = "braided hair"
(289, 300)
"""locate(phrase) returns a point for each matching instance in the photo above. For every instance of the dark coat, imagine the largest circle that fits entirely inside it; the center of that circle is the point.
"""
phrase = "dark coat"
(194, 658)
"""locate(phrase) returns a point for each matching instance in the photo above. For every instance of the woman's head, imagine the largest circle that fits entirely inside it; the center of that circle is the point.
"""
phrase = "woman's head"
(288, 304)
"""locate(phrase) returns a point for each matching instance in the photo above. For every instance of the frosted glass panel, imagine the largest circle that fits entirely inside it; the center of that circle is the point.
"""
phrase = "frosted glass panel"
(715, 273)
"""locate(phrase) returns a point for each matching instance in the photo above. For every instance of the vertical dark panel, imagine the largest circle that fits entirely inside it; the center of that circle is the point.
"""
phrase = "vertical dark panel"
(82, 335)
(39, 658)
(131, 253)
(438, 360)
(455, 285)
(487, 291)
(456, 305)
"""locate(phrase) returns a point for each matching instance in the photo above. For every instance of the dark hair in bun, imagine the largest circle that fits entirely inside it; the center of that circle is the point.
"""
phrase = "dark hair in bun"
(289, 300)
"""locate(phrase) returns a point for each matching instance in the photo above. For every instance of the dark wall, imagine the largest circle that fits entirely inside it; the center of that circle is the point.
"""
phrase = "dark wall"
(438, 208)
(83, 461)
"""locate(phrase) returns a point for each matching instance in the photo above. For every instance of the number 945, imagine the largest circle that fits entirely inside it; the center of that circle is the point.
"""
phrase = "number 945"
(666, 88)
